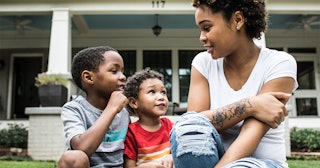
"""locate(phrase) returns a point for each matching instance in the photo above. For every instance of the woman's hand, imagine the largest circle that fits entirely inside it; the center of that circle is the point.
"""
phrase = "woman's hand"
(270, 107)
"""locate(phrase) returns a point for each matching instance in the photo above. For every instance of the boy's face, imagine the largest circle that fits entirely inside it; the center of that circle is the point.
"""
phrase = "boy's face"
(152, 98)
(110, 76)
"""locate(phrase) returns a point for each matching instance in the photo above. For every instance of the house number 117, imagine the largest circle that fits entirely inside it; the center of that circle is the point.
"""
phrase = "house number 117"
(158, 4)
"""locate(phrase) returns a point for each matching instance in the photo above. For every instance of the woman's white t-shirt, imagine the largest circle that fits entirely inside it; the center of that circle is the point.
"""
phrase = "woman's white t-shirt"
(270, 65)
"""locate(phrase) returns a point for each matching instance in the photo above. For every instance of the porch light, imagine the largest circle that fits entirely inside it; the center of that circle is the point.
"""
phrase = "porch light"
(156, 28)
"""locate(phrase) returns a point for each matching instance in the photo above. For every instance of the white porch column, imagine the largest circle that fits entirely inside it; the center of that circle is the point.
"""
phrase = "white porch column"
(175, 76)
(60, 42)
(60, 47)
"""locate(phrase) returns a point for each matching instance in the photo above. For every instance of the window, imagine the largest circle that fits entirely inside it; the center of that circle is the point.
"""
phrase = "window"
(129, 61)
(277, 48)
(185, 59)
(302, 50)
(160, 61)
(306, 76)
(306, 106)
(306, 102)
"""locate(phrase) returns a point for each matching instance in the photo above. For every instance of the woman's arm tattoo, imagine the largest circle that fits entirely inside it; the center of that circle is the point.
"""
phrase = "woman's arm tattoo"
(231, 111)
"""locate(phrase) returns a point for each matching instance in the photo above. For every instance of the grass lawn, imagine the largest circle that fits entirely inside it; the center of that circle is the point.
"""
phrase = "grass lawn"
(34, 164)
(27, 164)
(304, 163)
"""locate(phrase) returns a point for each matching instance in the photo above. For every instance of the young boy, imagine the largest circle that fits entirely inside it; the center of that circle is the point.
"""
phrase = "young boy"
(95, 127)
(147, 143)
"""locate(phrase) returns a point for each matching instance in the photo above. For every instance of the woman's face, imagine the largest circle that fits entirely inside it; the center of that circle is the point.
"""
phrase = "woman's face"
(218, 37)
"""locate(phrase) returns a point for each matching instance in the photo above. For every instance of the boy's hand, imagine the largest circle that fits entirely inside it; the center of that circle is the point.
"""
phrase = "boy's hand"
(270, 108)
(117, 101)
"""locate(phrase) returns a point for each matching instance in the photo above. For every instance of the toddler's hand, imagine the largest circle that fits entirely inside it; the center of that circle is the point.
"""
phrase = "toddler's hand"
(167, 161)
(151, 165)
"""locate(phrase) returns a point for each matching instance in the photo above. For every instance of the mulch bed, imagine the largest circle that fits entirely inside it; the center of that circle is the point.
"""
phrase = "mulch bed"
(13, 151)
(304, 155)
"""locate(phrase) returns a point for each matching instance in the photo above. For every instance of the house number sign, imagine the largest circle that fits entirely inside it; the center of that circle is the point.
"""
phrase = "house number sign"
(158, 4)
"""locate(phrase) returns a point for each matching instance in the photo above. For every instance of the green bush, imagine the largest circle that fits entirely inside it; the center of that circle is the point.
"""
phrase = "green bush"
(303, 157)
(16, 158)
(305, 139)
(15, 136)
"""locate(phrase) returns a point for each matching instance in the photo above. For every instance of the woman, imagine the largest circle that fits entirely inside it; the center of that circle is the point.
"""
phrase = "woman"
(231, 69)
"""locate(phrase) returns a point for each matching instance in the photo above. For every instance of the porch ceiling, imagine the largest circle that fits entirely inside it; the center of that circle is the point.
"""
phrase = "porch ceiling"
(85, 23)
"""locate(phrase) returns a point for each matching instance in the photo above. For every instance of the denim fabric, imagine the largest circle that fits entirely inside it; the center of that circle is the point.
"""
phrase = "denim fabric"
(253, 163)
(195, 142)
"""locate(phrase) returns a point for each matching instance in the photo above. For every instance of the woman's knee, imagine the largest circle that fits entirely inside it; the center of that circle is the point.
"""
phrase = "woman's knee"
(195, 142)
(195, 135)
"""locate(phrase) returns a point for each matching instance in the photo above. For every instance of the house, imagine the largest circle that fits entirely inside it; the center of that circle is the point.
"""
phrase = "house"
(42, 36)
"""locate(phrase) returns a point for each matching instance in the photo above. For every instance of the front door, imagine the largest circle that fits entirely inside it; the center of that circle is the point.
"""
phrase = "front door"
(24, 92)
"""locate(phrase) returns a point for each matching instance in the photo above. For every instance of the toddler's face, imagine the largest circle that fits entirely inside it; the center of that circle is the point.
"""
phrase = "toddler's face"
(152, 98)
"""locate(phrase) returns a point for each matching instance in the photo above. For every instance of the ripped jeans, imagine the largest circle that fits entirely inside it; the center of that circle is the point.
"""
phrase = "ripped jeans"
(196, 143)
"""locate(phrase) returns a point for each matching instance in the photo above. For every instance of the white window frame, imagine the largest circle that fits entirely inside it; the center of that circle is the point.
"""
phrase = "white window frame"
(307, 93)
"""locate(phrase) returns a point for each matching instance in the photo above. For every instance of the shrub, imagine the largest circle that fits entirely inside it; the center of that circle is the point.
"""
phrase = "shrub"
(16, 158)
(305, 139)
(303, 157)
(15, 136)
(50, 79)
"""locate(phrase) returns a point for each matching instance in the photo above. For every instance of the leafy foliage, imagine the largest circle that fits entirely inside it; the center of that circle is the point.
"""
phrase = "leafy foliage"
(303, 157)
(14, 136)
(16, 158)
(50, 79)
(306, 139)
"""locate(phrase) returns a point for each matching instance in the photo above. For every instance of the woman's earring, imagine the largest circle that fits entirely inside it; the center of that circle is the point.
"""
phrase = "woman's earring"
(237, 28)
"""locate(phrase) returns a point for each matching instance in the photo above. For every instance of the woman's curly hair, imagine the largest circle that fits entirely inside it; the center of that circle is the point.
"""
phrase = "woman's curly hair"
(134, 82)
(254, 12)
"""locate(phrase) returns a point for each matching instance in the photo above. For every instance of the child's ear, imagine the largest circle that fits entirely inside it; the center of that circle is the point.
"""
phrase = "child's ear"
(133, 103)
(87, 76)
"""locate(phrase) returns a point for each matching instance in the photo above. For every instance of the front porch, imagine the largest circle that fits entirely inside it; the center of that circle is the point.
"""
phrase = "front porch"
(46, 141)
